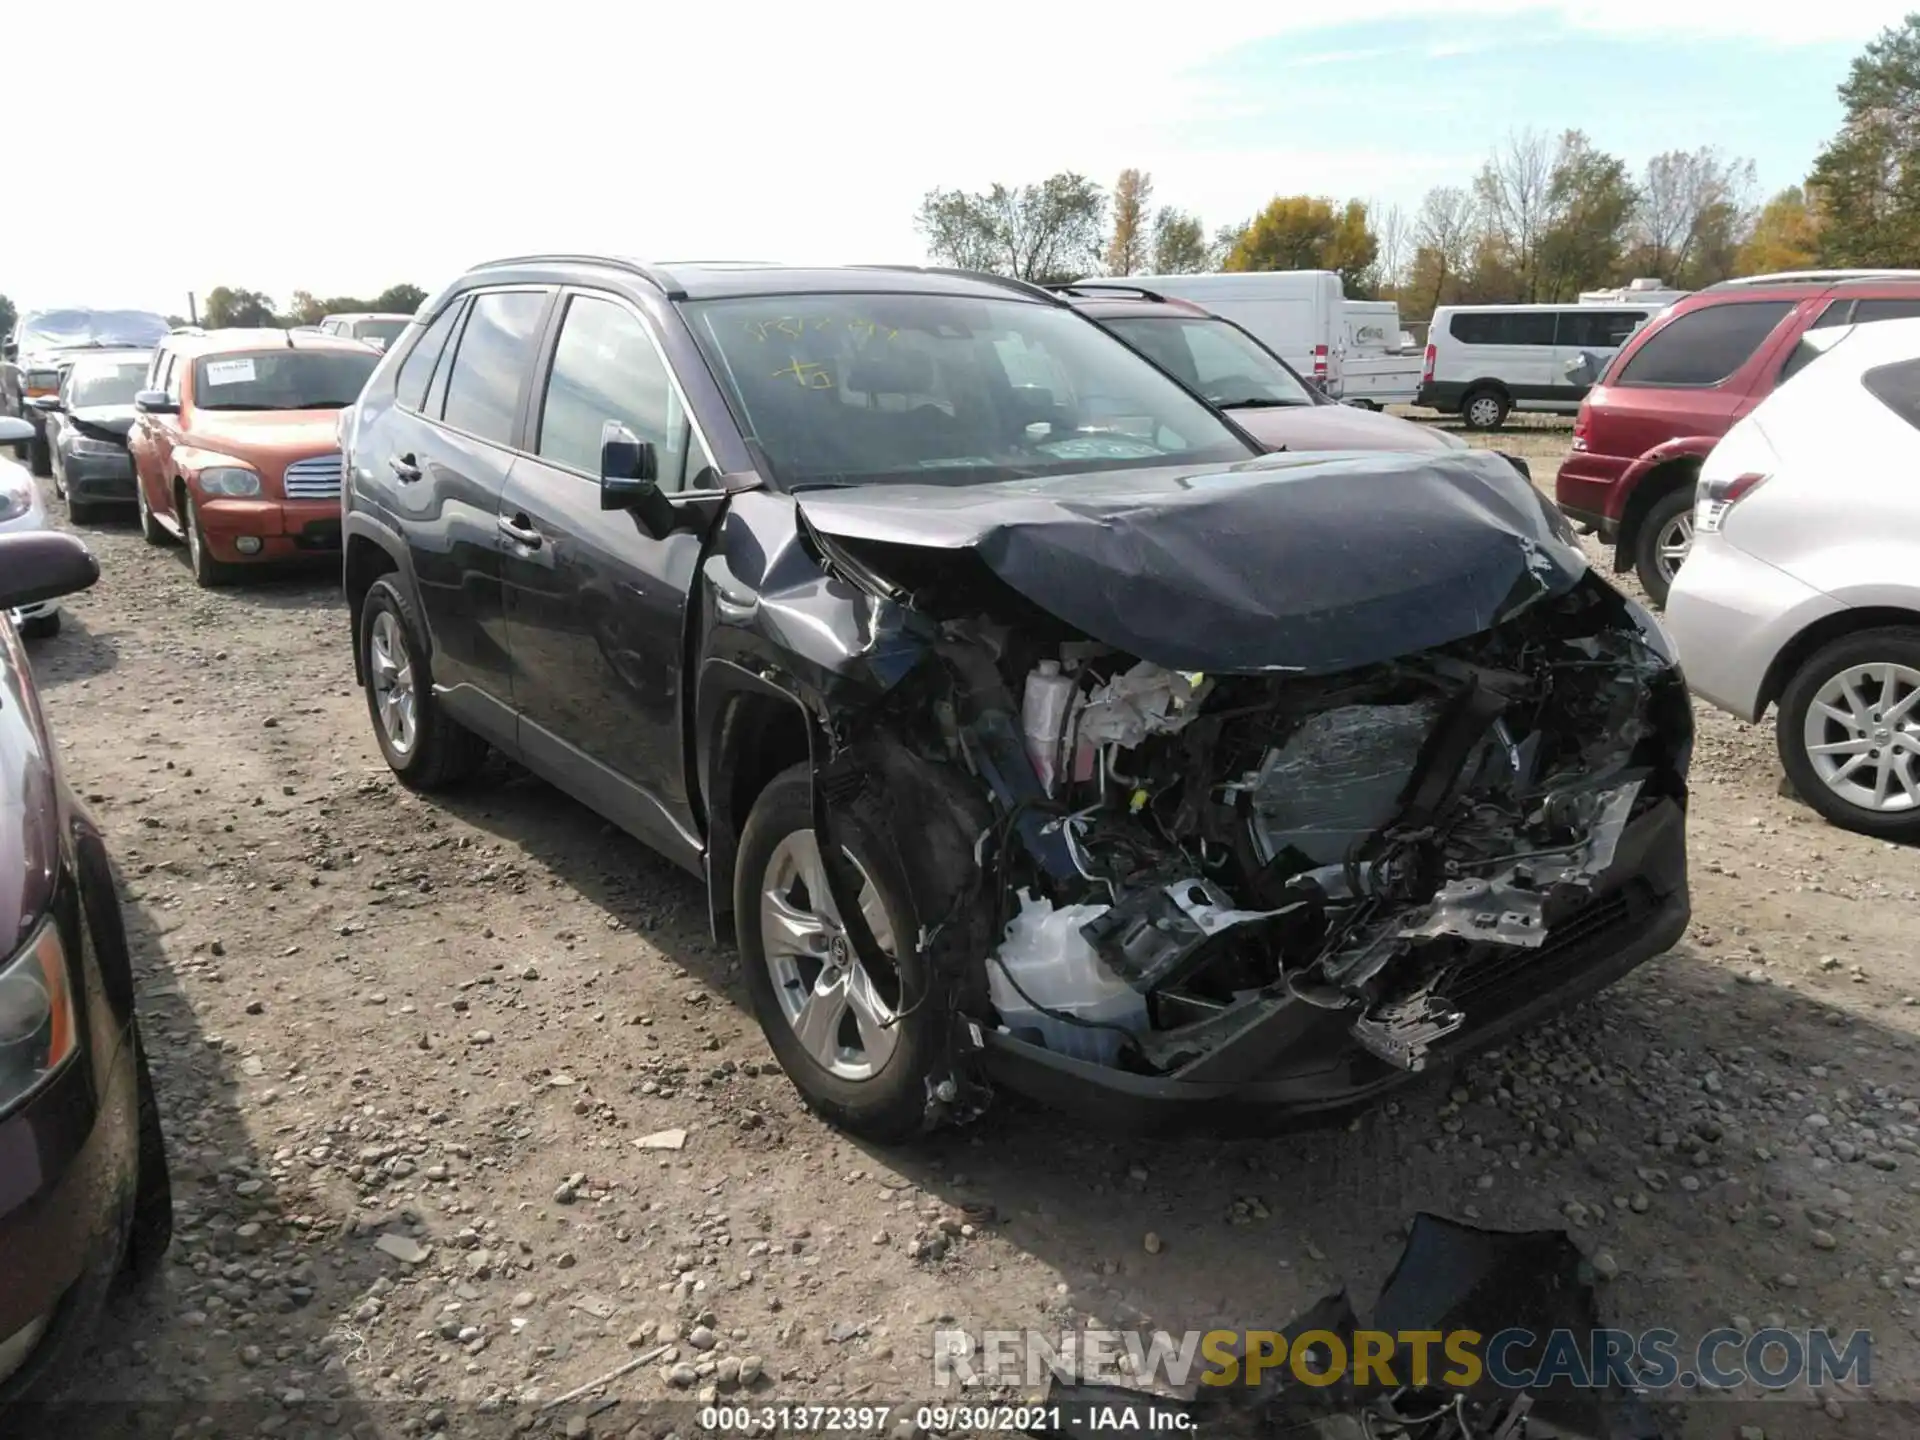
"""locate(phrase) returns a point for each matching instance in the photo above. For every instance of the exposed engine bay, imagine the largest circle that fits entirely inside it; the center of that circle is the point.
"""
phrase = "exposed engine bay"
(1175, 854)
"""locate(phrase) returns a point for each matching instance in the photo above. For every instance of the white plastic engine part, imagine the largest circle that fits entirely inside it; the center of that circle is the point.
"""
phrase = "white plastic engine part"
(1043, 715)
(1059, 971)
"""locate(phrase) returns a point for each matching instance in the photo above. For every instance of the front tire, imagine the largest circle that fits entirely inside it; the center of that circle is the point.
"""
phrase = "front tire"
(1666, 535)
(41, 627)
(421, 743)
(1484, 409)
(152, 1229)
(208, 573)
(1848, 732)
(40, 456)
(860, 1048)
(151, 530)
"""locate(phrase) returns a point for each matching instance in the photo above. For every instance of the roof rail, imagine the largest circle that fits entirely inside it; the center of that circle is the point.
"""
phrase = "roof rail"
(1791, 277)
(650, 273)
(985, 277)
(1120, 285)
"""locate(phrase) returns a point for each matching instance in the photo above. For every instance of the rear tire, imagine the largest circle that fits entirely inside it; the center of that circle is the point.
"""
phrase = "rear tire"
(889, 1105)
(1484, 409)
(421, 743)
(1867, 735)
(1663, 529)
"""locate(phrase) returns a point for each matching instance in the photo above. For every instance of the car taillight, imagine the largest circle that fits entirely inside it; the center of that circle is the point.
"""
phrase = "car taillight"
(1580, 429)
(1319, 362)
(1712, 499)
(1426, 375)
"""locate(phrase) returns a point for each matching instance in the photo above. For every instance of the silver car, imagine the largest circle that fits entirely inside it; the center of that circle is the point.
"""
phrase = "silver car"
(21, 509)
(1802, 589)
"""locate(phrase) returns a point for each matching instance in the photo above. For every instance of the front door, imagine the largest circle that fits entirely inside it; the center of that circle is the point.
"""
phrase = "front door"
(596, 608)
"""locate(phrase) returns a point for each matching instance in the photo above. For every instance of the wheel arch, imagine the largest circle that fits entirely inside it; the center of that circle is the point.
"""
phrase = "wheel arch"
(1824, 631)
(748, 730)
(370, 553)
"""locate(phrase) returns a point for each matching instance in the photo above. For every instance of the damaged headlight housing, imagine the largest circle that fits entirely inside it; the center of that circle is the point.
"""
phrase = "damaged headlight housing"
(38, 1033)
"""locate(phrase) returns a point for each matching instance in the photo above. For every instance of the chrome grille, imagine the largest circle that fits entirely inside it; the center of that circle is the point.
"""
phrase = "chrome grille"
(317, 478)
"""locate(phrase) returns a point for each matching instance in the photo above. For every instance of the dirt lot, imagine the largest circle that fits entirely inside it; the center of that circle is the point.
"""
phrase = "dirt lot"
(448, 1022)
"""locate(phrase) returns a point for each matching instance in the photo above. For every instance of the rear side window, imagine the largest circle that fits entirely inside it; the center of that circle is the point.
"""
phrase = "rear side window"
(416, 371)
(1704, 347)
(1901, 309)
(1512, 327)
(1897, 386)
(496, 351)
(1598, 329)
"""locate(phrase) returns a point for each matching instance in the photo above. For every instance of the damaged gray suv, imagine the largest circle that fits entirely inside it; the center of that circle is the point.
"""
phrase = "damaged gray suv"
(1026, 725)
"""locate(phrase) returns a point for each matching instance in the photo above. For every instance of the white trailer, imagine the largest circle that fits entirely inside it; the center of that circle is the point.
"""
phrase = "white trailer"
(1381, 365)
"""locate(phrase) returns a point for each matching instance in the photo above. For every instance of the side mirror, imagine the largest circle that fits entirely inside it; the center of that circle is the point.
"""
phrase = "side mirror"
(47, 403)
(630, 480)
(43, 565)
(14, 431)
(155, 402)
(9, 349)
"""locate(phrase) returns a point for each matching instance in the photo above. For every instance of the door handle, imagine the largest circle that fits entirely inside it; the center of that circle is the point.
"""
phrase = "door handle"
(520, 530)
(403, 466)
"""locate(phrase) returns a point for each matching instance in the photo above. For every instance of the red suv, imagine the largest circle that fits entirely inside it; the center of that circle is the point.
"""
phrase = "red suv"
(1678, 385)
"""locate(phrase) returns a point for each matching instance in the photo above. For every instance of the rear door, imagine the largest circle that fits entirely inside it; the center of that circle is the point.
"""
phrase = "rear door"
(440, 461)
(597, 608)
(1698, 372)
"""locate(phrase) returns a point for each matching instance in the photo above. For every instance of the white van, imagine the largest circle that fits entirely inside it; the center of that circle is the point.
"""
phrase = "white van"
(1381, 365)
(1485, 361)
(1298, 314)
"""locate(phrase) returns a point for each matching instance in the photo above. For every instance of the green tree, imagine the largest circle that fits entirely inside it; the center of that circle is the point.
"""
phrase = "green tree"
(1306, 232)
(8, 314)
(304, 309)
(1868, 176)
(1047, 233)
(228, 307)
(1179, 243)
(1694, 211)
(1786, 236)
(1127, 248)
(1590, 205)
(1442, 238)
(1510, 195)
(402, 299)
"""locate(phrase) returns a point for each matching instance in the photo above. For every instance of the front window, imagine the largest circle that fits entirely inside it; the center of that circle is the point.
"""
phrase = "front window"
(281, 380)
(98, 383)
(1216, 358)
(846, 389)
(379, 332)
(91, 329)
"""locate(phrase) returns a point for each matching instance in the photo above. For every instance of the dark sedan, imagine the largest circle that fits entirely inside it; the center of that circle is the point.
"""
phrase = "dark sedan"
(84, 1193)
(43, 341)
(87, 424)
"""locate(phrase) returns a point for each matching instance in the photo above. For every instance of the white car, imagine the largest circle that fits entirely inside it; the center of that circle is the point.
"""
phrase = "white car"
(21, 510)
(1802, 589)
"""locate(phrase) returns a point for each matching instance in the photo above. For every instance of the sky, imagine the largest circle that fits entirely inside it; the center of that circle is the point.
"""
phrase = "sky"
(342, 146)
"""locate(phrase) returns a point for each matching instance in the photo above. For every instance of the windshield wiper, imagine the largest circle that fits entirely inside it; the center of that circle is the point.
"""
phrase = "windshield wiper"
(1254, 402)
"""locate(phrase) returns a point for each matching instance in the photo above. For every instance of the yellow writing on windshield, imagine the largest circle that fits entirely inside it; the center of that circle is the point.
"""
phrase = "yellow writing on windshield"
(808, 374)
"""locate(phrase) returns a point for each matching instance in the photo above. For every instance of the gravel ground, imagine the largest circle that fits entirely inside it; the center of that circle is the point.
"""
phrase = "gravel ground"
(466, 1109)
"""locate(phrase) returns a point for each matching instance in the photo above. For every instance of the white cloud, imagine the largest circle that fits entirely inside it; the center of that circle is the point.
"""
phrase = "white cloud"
(347, 145)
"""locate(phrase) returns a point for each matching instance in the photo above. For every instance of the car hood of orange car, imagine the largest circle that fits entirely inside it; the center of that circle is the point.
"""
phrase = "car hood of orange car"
(278, 434)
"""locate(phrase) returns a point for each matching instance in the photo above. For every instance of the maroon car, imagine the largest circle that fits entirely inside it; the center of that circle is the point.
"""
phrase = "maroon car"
(1235, 373)
(1678, 385)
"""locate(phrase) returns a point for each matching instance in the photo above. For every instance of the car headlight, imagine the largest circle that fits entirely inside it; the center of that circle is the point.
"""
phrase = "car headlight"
(229, 480)
(86, 445)
(15, 500)
(37, 1029)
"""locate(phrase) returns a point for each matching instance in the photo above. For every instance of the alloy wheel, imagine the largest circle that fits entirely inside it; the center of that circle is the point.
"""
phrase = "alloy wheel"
(391, 669)
(1670, 547)
(1862, 736)
(842, 1018)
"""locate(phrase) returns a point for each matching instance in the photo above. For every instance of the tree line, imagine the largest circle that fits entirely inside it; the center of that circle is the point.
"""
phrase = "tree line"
(228, 306)
(1546, 217)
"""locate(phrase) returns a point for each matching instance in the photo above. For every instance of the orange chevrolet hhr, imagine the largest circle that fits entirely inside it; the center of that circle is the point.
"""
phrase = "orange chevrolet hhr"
(235, 447)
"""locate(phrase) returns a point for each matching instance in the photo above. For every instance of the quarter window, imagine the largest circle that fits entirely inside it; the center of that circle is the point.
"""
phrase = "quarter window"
(1503, 327)
(1705, 346)
(1901, 309)
(606, 367)
(496, 349)
(1897, 386)
(416, 371)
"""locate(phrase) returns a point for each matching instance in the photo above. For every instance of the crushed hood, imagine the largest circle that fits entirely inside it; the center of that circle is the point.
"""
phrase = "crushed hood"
(104, 420)
(1309, 563)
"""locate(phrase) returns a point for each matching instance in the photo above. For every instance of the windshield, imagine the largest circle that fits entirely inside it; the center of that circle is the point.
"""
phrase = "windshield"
(1215, 357)
(844, 389)
(97, 329)
(281, 380)
(380, 332)
(98, 383)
